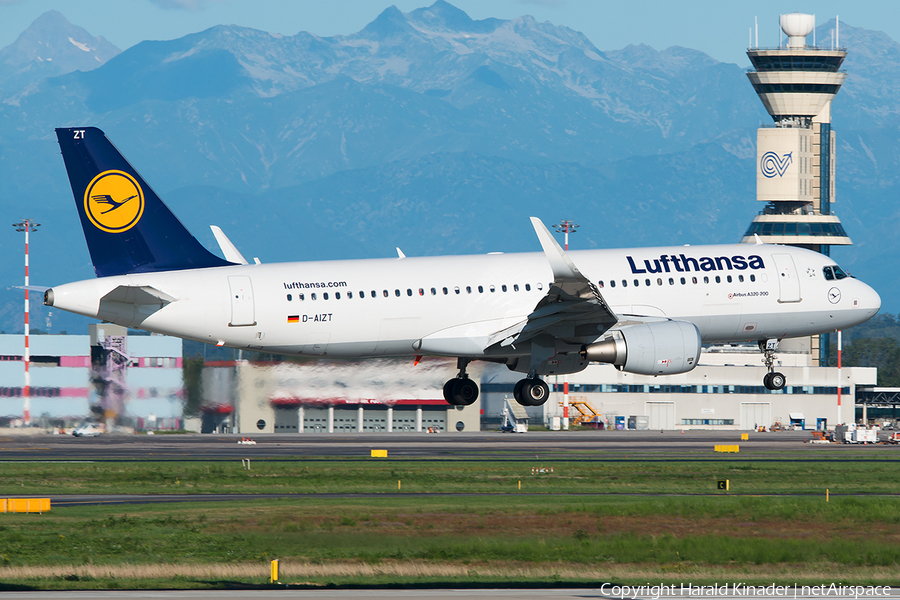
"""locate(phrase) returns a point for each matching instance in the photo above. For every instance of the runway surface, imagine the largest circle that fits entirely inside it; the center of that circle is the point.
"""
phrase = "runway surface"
(572, 445)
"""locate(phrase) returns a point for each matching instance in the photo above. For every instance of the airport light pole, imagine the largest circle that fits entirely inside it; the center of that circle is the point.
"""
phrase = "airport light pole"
(26, 225)
(565, 226)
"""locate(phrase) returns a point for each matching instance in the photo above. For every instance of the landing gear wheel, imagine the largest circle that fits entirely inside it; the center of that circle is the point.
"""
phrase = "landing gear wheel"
(448, 391)
(463, 392)
(777, 380)
(534, 392)
(774, 381)
(517, 392)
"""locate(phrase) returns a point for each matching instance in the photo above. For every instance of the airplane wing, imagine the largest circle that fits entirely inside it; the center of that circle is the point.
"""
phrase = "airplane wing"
(573, 306)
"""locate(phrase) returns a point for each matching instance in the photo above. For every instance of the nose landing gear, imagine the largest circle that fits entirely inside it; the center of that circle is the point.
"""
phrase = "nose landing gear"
(773, 380)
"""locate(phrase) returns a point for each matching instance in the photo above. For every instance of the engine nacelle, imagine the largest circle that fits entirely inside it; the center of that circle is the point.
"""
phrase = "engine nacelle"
(660, 348)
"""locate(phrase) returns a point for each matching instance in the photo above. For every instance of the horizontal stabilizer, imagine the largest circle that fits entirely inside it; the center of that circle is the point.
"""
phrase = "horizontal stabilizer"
(138, 295)
(32, 288)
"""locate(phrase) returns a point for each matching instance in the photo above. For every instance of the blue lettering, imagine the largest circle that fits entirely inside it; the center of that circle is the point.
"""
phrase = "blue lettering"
(655, 268)
(682, 263)
(687, 262)
(634, 269)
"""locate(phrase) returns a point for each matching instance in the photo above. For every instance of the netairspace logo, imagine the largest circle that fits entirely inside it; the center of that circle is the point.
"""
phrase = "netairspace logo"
(687, 590)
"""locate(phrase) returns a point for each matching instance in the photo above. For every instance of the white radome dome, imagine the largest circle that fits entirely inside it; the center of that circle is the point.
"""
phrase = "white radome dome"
(797, 26)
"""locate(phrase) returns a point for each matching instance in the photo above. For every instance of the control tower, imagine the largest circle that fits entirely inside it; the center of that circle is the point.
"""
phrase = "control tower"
(795, 156)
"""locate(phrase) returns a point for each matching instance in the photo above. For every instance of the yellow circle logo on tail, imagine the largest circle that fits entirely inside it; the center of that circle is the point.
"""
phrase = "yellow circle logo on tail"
(114, 201)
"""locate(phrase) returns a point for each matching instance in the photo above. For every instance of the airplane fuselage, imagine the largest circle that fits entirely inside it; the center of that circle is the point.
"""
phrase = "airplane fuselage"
(451, 305)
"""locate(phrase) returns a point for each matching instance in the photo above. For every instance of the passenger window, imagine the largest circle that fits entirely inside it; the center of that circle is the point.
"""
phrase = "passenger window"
(624, 283)
(659, 281)
(540, 287)
(741, 278)
(671, 281)
(752, 277)
(480, 289)
(683, 281)
(705, 279)
(397, 292)
(492, 288)
(528, 286)
(694, 280)
(350, 295)
(728, 278)
(515, 287)
(647, 282)
(637, 283)
(408, 292)
(456, 289)
(612, 283)
(337, 295)
(290, 297)
(421, 292)
(386, 293)
(503, 287)
(300, 297)
(468, 289)
(718, 279)
(600, 284)
(374, 295)
(325, 296)
(312, 296)
(434, 292)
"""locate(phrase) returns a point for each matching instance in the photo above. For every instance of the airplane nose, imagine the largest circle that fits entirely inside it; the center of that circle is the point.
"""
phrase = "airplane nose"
(869, 300)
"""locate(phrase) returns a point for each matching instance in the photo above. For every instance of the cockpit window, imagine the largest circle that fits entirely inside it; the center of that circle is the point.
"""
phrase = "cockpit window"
(834, 272)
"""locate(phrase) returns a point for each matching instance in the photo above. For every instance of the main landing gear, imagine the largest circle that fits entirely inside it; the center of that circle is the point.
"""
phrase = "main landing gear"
(461, 391)
(773, 379)
(531, 391)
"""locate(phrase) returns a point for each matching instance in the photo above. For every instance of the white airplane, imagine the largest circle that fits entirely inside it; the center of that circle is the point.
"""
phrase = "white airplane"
(644, 310)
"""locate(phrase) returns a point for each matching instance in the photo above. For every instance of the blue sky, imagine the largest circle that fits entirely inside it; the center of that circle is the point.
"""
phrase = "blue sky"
(718, 27)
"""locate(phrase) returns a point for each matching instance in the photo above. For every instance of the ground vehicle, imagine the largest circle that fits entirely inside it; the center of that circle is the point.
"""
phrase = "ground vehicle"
(87, 430)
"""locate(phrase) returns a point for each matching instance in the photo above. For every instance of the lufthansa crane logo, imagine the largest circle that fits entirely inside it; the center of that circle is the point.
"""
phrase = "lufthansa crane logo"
(114, 201)
(771, 164)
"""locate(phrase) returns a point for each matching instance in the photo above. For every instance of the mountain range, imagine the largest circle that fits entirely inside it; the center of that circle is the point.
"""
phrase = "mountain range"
(426, 130)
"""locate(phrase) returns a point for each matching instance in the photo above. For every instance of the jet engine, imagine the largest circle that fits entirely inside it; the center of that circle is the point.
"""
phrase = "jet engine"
(658, 348)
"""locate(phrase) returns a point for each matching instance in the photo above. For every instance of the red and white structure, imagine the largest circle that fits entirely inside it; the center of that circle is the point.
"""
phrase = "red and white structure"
(26, 225)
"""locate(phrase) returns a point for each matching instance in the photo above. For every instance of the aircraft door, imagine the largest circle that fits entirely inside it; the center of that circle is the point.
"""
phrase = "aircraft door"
(242, 309)
(788, 281)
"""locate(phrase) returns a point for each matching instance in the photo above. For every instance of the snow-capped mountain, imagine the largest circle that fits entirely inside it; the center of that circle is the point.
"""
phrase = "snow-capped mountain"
(428, 130)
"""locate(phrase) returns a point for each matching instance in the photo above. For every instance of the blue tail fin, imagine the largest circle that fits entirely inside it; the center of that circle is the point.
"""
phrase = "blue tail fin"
(127, 227)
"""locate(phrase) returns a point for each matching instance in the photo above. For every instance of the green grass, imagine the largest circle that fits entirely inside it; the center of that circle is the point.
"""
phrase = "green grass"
(442, 529)
(379, 475)
(676, 525)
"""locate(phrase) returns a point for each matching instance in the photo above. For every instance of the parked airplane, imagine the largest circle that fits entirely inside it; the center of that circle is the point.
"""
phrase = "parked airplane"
(644, 310)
